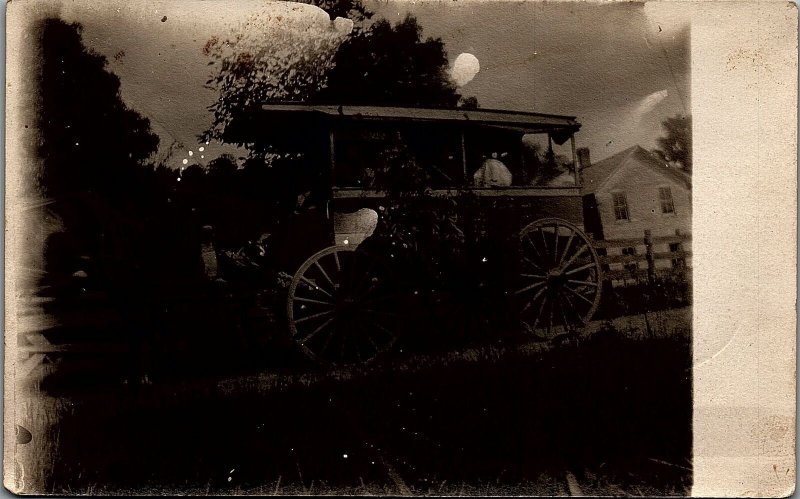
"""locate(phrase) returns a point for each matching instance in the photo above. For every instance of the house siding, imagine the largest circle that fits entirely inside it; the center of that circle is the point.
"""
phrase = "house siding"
(641, 184)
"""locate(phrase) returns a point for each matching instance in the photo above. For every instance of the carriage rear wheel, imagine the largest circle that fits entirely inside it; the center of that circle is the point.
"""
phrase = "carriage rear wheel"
(342, 307)
(558, 287)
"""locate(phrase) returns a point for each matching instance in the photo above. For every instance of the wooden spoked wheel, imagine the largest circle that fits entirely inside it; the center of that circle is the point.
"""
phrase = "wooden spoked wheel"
(342, 307)
(558, 287)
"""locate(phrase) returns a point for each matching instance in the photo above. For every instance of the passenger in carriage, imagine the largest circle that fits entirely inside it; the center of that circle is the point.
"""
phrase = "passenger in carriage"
(493, 173)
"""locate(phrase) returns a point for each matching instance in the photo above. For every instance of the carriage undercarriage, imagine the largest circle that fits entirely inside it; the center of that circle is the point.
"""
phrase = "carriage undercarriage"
(350, 303)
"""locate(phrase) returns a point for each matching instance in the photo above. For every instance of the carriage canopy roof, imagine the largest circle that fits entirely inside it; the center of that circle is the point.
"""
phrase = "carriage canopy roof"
(522, 122)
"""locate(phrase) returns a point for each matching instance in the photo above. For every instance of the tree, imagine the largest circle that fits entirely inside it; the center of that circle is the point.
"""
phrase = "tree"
(308, 61)
(676, 145)
(222, 166)
(393, 66)
(90, 140)
(470, 102)
(267, 60)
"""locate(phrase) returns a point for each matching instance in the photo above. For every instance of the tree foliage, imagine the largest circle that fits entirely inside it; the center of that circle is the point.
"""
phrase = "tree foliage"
(278, 58)
(222, 167)
(270, 58)
(393, 65)
(90, 140)
(676, 144)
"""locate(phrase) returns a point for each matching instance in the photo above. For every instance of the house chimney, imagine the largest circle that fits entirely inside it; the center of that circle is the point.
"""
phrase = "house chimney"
(584, 160)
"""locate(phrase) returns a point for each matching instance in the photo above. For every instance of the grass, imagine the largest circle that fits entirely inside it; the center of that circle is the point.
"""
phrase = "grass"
(614, 410)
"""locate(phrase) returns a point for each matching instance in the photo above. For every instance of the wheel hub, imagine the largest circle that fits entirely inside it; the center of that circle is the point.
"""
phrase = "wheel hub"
(555, 277)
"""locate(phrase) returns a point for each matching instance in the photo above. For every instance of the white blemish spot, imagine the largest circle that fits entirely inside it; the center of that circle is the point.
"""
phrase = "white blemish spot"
(201, 149)
(343, 25)
(185, 161)
(179, 179)
(201, 156)
(464, 69)
(191, 153)
(344, 456)
(346, 242)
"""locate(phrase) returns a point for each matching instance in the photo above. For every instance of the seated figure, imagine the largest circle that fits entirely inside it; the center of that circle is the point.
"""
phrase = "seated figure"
(492, 173)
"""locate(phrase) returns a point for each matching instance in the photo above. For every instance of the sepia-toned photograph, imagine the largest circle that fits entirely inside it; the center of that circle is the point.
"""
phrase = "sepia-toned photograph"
(366, 247)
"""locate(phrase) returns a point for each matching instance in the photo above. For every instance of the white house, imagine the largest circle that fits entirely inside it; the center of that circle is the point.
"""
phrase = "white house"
(632, 192)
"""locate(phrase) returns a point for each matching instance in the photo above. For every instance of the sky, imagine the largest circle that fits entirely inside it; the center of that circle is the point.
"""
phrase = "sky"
(621, 69)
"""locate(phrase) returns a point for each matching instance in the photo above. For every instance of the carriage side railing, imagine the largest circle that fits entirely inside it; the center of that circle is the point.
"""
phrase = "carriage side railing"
(512, 191)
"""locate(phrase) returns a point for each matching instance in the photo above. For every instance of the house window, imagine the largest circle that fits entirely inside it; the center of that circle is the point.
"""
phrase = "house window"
(679, 262)
(620, 206)
(631, 267)
(665, 195)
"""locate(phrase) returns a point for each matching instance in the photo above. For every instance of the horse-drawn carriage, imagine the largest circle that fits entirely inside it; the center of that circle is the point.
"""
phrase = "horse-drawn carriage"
(414, 205)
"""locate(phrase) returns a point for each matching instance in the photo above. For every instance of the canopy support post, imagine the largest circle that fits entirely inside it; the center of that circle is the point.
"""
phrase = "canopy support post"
(464, 157)
(332, 150)
(575, 165)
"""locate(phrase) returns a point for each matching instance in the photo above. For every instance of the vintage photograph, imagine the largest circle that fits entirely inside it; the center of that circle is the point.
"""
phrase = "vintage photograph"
(366, 247)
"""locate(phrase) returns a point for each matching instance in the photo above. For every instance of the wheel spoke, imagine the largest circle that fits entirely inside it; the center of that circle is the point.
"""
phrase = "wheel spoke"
(326, 344)
(314, 332)
(528, 288)
(582, 267)
(535, 250)
(309, 300)
(368, 335)
(575, 256)
(533, 276)
(315, 286)
(532, 300)
(325, 274)
(566, 247)
(382, 328)
(555, 237)
(533, 264)
(539, 315)
(364, 277)
(544, 240)
(577, 314)
(314, 316)
(563, 314)
(586, 283)
(338, 263)
(590, 302)
(369, 290)
(356, 348)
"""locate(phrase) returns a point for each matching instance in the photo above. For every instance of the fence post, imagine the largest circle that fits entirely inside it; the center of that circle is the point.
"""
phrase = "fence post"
(682, 259)
(651, 265)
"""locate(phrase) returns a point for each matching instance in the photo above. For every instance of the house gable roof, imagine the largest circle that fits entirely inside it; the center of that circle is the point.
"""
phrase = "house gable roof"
(596, 175)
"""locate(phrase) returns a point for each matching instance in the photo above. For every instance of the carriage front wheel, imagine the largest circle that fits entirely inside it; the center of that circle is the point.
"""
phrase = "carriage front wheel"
(557, 289)
(342, 306)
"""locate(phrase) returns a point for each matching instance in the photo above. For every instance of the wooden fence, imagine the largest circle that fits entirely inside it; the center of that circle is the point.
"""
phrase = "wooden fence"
(632, 256)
